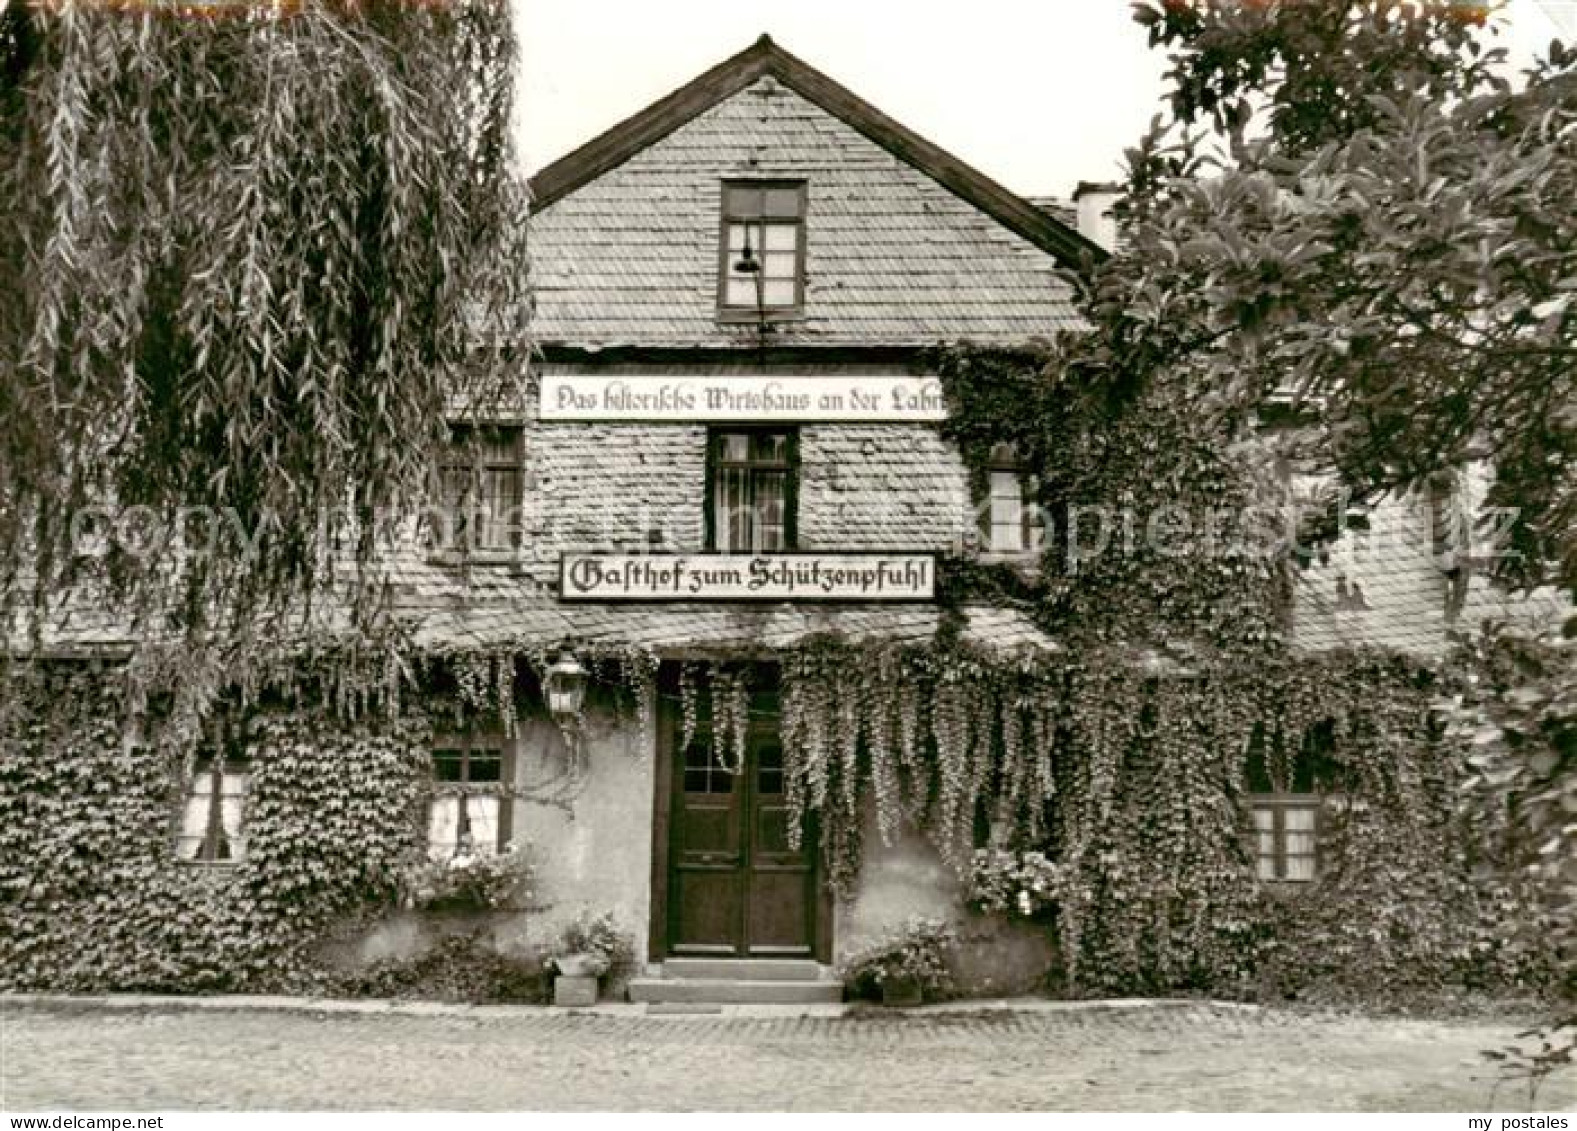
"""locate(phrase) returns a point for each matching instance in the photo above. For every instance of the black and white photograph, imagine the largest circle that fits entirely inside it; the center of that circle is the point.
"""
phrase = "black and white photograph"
(708, 556)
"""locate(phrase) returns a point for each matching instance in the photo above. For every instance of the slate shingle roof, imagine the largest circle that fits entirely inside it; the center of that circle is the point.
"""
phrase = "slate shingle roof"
(706, 627)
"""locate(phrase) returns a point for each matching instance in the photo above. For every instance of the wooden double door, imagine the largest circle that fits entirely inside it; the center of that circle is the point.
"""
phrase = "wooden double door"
(736, 887)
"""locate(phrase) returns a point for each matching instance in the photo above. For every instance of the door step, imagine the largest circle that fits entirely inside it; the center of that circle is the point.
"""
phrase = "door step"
(734, 991)
(744, 969)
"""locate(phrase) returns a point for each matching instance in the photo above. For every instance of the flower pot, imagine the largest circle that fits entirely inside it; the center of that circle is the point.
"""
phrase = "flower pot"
(901, 992)
(574, 990)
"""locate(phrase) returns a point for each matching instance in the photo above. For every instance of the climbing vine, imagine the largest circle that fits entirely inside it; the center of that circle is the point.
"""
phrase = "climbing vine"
(91, 894)
(1130, 773)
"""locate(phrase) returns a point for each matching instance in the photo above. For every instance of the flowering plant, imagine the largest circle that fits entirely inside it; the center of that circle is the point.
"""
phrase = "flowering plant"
(594, 946)
(473, 879)
(1023, 884)
(917, 950)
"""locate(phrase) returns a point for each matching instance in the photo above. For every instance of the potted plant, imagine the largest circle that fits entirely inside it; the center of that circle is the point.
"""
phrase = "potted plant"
(588, 949)
(471, 880)
(903, 966)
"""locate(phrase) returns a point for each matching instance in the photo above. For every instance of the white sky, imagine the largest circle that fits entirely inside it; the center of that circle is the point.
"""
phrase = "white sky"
(1038, 94)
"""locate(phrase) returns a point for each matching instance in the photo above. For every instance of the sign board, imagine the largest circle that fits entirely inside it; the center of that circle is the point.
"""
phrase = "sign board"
(747, 577)
(742, 398)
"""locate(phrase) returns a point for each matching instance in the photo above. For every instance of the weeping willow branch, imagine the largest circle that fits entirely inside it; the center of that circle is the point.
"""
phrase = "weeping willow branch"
(252, 260)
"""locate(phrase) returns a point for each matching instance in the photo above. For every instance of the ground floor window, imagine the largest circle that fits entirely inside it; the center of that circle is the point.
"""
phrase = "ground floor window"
(1292, 782)
(469, 809)
(213, 819)
(1285, 829)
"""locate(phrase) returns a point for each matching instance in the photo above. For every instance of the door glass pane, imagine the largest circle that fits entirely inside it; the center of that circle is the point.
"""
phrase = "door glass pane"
(769, 762)
(702, 774)
(448, 765)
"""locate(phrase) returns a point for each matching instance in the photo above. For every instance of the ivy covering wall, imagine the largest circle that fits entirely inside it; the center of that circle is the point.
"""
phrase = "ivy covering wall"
(91, 897)
(1125, 770)
(1129, 773)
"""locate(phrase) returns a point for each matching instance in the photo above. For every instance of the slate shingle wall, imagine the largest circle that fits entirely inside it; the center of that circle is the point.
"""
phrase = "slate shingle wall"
(880, 487)
(892, 257)
(1380, 587)
(610, 486)
(1386, 587)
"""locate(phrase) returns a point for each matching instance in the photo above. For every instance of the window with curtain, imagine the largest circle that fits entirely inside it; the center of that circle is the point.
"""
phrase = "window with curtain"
(1290, 785)
(213, 820)
(482, 482)
(763, 247)
(469, 809)
(753, 491)
(1285, 831)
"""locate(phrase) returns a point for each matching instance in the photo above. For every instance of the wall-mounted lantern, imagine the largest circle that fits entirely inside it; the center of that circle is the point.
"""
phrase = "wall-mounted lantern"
(565, 688)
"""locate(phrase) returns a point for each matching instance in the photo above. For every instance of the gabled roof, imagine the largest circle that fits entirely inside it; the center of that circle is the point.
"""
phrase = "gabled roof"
(611, 149)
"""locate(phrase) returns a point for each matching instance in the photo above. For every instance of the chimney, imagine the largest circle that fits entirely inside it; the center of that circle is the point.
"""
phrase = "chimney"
(1095, 220)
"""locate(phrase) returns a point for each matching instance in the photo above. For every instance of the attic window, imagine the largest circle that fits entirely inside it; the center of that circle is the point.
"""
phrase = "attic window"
(762, 271)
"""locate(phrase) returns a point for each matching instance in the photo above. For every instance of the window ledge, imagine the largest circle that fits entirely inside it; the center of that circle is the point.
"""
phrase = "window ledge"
(1288, 889)
(453, 559)
(1025, 563)
(744, 316)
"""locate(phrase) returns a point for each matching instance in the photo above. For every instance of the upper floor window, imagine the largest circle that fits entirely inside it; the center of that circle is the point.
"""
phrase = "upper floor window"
(482, 481)
(763, 264)
(1011, 520)
(212, 822)
(753, 491)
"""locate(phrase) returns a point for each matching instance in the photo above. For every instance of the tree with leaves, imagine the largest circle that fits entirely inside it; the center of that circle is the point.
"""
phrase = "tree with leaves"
(1351, 214)
(1351, 208)
(253, 253)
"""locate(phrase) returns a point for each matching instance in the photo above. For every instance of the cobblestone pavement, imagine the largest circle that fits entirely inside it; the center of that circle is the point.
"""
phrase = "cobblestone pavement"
(1158, 1058)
